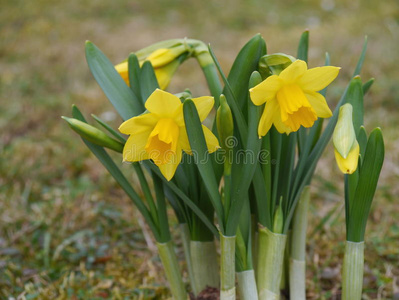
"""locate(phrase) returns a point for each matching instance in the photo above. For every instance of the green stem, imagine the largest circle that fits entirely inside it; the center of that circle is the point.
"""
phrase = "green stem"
(270, 263)
(211, 75)
(227, 266)
(172, 270)
(298, 247)
(205, 265)
(185, 236)
(247, 285)
(352, 273)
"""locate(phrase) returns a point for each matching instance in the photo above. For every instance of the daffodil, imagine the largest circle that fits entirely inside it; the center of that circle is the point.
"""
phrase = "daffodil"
(163, 60)
(160, 134)
(292, 98)
(346, 147)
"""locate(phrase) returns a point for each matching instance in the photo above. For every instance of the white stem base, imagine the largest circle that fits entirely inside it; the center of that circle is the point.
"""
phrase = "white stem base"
(352, 273)
(205, 265)
(227, 267)
(297, 279)
(247, 285)
(270, 263)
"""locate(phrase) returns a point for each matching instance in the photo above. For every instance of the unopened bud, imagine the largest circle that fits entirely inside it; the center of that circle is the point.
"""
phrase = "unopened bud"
(225, 125)
(94, 135)
(345, 143)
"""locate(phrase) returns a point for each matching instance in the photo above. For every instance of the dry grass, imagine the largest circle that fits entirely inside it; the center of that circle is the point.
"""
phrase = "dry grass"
(68, 232)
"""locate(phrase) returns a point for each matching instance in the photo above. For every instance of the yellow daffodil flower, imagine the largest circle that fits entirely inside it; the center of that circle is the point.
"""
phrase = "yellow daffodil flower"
(161, 135)
(346, 147)
(163, 61)
(292, 98)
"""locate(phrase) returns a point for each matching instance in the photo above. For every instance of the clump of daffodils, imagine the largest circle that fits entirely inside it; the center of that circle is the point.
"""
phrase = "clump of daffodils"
(270, 104)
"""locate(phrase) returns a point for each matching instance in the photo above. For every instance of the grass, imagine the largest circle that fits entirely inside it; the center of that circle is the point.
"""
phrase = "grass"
(66, 229)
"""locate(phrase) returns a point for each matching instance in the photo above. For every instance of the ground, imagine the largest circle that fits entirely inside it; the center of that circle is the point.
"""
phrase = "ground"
(66, 229)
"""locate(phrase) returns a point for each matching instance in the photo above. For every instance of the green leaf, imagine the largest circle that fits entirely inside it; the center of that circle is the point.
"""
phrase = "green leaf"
(303, 46)
(361, 58)
(162, 213)
(362, 140)
(245, 63)
(242, 179)
(368, 179)
(355, 97)
(116, 90)
(134, 76)
(367, 85)
(179, 193)
(112, 168)
(201, 157)
(148, 81)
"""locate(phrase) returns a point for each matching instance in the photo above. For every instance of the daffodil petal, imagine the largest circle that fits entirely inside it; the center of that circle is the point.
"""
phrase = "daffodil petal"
(280, 126)
(183, 141)
(162, 103)
(348, 165)
(134, 149)
(318, 78)
(139, 124)
(293, 71)
(204, 106)
(319, 104)
(266, 120)
(169, 169)
(266, 90)
(210, 139)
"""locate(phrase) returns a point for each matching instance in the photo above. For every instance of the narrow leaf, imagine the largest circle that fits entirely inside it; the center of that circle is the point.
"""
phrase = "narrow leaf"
(116, 90)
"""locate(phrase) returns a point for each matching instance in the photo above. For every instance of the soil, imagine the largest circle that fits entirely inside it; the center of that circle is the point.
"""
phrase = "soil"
(210, 293)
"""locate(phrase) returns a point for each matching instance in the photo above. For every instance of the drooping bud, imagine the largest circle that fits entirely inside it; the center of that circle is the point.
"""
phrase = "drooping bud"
(94, 135)
(345, 143)
(164, 57)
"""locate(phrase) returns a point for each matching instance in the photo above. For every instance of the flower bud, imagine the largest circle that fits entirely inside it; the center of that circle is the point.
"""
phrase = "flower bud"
(225, 125)
(165, 60)
(94, 135)
(345, 143)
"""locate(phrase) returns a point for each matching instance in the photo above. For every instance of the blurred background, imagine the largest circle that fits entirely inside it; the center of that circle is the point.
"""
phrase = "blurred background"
(66, 229)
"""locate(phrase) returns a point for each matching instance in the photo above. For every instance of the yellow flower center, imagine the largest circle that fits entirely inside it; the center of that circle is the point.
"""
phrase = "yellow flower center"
(162, 142)
(295, 107)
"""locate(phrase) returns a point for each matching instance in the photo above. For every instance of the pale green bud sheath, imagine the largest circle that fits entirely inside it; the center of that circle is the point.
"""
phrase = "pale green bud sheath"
(278, 223)
(344, 134)
(345, 144)
(274, 63)
(94, 135)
